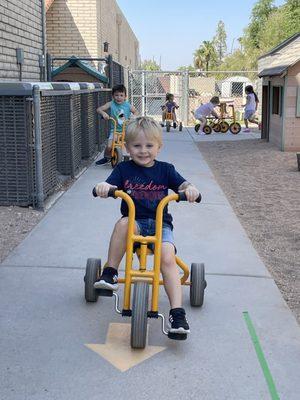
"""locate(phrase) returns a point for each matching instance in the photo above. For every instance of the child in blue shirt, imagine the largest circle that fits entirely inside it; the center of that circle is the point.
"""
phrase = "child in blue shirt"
(147, 181)
(120, 110)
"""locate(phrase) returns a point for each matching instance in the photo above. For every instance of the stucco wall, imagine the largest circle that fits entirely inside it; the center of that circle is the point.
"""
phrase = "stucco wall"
(20, 27)
(291, 122)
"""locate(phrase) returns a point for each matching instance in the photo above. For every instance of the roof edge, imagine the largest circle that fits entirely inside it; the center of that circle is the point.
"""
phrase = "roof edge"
(280, 45)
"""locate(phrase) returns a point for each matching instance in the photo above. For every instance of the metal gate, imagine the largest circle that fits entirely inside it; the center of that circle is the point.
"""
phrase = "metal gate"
(148, 89)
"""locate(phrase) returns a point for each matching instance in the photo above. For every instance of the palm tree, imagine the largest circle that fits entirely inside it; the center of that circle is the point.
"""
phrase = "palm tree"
(199, 59)
(205, 55)
(209, 53)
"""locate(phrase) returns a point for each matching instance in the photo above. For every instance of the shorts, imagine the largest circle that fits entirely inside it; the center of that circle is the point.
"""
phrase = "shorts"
(249, 114)
(200, 118)
(146, 227)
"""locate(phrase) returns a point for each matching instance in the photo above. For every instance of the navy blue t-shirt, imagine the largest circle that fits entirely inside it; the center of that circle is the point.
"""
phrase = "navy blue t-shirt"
(146, 186)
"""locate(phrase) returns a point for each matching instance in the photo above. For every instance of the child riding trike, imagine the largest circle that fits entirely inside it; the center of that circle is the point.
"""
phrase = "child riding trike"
(170, 119)
(137, 306)
(220, 124)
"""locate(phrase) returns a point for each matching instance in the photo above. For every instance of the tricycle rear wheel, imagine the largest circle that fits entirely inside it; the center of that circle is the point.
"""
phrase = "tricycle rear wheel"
(117, 157)
(139, 315)
(198, 284)
(92, 273)
(168, 126)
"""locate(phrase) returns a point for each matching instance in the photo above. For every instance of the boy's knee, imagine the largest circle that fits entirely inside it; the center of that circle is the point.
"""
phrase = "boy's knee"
(123, 222)
(168, 254)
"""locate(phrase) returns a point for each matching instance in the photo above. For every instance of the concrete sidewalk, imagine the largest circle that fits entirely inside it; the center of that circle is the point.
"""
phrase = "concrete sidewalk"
(46, 324)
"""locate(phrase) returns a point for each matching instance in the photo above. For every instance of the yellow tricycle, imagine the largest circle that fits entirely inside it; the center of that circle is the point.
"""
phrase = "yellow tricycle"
(118, 144)
(137, 305)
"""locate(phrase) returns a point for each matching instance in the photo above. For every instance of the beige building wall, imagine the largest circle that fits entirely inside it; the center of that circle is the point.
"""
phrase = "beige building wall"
(80, 27)
(20, 27)
(291, 122)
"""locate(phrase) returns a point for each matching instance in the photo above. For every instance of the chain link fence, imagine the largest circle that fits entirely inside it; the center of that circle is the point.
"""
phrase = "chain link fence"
(148, 89)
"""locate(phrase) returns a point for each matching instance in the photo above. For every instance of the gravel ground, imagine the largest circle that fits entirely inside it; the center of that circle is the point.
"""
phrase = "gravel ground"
(263, 187)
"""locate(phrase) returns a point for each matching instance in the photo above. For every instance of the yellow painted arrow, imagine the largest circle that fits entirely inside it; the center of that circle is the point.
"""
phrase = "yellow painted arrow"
(117, 350)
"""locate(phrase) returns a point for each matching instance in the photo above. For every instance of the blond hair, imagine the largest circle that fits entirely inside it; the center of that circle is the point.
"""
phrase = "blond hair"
(215, 100)
(146, 125)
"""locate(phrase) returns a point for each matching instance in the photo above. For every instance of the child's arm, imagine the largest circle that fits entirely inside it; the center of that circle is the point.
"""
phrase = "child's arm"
(101, 110)
(190, 191)
(215, 114)
(133, 110)
(102, 189)
(247, 100)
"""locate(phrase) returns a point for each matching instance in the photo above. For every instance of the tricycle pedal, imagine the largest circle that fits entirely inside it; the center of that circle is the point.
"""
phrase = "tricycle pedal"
(177, 336)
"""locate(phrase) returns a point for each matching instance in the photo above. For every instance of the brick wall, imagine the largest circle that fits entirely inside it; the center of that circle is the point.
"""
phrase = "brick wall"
(80, 27)
(291, 122)
(20, 27)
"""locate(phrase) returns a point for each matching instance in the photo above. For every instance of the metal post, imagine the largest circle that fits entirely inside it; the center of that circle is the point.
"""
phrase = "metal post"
(110, 69)
(49, 67)
(72, 136)
(185, 95)
(143, 93)
(38, 148)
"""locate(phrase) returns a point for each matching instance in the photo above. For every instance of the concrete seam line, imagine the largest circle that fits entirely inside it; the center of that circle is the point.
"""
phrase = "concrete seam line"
(261, 357)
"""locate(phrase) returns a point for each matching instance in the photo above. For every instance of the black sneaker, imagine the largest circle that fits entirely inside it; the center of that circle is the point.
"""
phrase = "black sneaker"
(174, 125)
(178, 321)
(162, 124)
(108, 279)
(103, 161)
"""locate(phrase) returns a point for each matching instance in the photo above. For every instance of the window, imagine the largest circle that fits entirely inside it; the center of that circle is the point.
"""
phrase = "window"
(277, 100)
(237, 89)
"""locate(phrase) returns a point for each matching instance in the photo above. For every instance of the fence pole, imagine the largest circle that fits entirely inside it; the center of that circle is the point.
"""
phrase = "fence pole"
(38, 148)
(185, 94)
(143, 93)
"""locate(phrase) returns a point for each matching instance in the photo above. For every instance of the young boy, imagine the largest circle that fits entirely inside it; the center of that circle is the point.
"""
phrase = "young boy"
(205, 110)
(120, 110)
(147, 181)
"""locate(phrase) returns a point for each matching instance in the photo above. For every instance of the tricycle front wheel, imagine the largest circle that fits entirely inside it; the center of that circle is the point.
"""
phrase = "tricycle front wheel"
(139, 315)
(92, 273)
(198, 285)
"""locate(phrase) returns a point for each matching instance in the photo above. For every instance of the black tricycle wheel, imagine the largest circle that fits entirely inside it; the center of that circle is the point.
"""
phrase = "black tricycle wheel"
(224, 126)
(92, 273)
(198, 284)
(180, 126)
(139, 315)
(216, 127)
(117, 157)
(235, 128)
(168, 126)
(207, 130)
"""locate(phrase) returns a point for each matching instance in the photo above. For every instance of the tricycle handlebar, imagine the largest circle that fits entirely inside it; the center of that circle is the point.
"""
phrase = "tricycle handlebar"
(181, 195)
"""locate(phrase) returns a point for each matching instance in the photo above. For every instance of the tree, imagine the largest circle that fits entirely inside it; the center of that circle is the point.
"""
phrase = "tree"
(205, 56)
(219, 42)
(259, 16)
(150, 65)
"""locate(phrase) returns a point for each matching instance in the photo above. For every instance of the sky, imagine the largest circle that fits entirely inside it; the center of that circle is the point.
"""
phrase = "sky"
(170, 31)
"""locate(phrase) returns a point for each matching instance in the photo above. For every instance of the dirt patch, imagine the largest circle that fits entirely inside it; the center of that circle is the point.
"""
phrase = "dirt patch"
(17, 222)
(263, 186)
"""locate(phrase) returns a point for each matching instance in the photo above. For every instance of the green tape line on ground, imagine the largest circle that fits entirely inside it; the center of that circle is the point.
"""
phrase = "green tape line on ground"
(261, 357)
